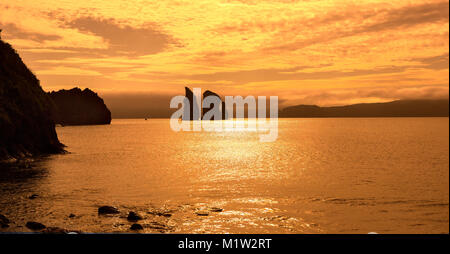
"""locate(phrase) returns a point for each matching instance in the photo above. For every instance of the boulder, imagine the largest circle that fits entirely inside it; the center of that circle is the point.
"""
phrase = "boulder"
(35, 225)
(132, 216)
(4, 222)
(136, 227)
(107, 210)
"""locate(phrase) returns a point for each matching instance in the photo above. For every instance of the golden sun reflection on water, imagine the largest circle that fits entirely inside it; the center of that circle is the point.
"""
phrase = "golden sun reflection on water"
(320, 176)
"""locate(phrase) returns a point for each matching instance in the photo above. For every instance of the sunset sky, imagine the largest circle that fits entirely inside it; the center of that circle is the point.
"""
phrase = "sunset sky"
(306, 52)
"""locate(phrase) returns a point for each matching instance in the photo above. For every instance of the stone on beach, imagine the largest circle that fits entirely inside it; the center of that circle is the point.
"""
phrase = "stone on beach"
(4, 222)
(132, 216)
(55, 230)
(35, 225)
(136, 227)
(107, 210)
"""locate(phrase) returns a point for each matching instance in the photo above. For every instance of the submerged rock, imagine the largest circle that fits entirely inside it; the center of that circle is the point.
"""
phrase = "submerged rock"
(132, 216)
(26, 123)
(216, 209)
(4, 222)
(107, 210)
(159, 226)
(35, 225)
(136, 227)
(79, 107)
(33, 196)
(71, 215)
(202, 213)
(55, 230)
(161, 212)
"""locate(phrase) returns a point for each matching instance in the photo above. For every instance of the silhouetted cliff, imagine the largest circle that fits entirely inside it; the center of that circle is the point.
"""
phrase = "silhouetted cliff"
(401, 108)
(26, 125)
(79, 107)
(194, 112)
(193, 109)
(223, 111)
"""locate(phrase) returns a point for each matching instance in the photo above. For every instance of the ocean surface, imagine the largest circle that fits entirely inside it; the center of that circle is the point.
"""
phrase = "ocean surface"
(347, 175)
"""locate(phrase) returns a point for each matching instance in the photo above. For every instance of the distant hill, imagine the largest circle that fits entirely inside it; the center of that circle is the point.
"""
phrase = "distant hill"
(79, 107)
(400, 108)
(26, 125)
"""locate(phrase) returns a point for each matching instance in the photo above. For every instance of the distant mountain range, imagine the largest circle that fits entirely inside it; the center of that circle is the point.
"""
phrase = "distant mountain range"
(400, 108)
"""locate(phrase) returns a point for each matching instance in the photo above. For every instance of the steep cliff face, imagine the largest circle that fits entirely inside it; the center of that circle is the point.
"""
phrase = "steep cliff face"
(26, 125)
(223, 110)
(194, 110)
(80, 107)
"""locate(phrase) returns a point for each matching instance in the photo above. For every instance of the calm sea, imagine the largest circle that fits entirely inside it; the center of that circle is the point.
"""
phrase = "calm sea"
(385, 175)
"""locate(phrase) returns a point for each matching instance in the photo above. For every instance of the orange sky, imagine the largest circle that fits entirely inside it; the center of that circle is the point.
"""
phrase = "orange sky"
(321, 52)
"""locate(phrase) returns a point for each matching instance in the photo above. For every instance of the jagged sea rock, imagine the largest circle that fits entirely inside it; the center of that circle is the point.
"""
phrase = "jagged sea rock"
(79, 107)
(193, 111)
(223, 111)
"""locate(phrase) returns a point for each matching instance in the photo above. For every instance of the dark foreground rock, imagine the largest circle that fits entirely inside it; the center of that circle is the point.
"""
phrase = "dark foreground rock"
(34, 196)
(79, 107)
(26, 123)
(108, 210)
(4, 222)
(136, 227)
(132, 216)
(55, 230)
(35, 225)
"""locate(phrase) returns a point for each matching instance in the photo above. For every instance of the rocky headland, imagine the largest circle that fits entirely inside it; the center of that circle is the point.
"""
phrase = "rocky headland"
(79, 107)
(26, 122)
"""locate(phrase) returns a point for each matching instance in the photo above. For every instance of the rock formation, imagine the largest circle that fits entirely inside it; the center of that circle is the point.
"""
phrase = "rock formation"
(26, 124)
(223, 110)
(79, 107)
(194, 112)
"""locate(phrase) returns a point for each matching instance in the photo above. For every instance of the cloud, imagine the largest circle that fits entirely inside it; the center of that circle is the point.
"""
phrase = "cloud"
(373, 21)
(348, 21)
(295, 73)
(123, 39)
(13, 32)
(440, 62)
